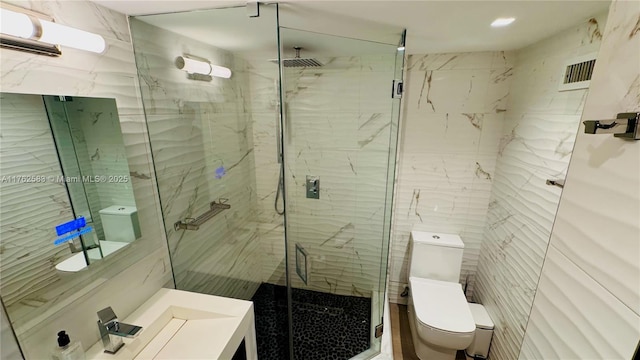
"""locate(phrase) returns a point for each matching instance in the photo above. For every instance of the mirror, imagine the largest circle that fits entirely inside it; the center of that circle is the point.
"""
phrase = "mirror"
(92, 169)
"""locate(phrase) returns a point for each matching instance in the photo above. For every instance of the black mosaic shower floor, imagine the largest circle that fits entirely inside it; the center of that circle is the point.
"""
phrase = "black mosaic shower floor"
(325, 326)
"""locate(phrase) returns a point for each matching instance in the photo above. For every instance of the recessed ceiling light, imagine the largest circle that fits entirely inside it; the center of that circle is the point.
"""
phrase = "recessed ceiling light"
(500, 22)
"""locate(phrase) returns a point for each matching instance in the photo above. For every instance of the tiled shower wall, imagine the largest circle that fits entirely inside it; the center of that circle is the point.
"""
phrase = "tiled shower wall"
(263, 90)
(540, 126)
(202, 143)
(453, 113)
(338, 124)
(588, 302)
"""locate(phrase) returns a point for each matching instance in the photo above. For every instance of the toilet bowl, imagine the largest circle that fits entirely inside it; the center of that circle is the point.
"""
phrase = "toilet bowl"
(440, 319)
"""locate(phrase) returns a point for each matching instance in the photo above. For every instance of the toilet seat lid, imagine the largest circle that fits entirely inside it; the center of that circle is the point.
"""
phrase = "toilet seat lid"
(441, 305)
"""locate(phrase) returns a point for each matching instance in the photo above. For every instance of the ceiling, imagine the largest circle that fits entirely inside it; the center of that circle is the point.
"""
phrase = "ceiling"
(432, 26)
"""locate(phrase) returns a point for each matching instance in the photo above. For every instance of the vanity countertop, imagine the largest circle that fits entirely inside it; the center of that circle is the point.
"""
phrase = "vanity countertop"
(184, 325)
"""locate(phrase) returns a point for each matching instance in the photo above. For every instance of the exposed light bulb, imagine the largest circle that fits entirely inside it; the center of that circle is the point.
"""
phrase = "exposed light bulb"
(57, 34)
(15, 24)
(193, 66)
(500, 22)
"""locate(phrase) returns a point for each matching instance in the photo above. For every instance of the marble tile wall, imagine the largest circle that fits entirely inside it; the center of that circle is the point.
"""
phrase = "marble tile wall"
(536, 141)
(40, 300)
(338, 122)
(453, 113)
(97, 128)
(263, 91)
(9, 349)
(202, 141)
(588, 301)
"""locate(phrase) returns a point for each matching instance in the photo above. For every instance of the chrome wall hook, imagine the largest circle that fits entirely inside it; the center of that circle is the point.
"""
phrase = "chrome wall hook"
(625, 126)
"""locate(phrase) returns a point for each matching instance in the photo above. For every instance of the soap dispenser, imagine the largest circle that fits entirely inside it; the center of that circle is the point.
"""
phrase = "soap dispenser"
(67, 350)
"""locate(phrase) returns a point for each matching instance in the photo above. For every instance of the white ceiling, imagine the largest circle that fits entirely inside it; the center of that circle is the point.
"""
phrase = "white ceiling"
(432, 26)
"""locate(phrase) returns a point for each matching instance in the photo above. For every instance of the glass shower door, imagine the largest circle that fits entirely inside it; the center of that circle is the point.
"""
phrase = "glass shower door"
(214, 140)
(339, 133)
(229, 160)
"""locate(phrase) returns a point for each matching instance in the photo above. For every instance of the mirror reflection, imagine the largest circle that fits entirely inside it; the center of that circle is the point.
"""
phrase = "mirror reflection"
(93, 169)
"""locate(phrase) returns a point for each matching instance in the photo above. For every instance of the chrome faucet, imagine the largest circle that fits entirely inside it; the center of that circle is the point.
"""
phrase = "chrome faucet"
(112, 331)
(73, 248)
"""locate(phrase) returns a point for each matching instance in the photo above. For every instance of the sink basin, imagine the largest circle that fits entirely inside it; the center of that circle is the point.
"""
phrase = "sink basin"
(184, 325)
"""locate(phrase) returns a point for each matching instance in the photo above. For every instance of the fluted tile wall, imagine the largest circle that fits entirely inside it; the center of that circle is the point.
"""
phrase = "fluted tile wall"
(588, 300)
(263, 92)
(202, 141)
(453, 115)
(537, 138)
(10, 349)
(338, 128)
(39, 301)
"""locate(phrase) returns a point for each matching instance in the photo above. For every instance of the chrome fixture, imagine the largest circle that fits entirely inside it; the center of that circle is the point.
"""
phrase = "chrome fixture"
(73, 248)
(298, 61)
(558, 183)
(625, 126)
(397, 89)
(302, 266)
(198, 68)
(215, 208)
(37, 33)
(112, 331)
(313, 187)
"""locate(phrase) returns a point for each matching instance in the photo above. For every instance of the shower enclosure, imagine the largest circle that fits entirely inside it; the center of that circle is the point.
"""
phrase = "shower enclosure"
(276, 183)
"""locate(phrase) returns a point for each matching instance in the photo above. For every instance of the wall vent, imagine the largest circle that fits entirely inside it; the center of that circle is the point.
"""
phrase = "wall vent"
(577, 72)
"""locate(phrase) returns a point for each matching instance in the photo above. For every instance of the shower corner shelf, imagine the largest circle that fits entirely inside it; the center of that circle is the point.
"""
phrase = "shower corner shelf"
(215, 208)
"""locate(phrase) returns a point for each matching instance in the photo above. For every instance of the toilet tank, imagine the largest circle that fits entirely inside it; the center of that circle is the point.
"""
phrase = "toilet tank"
(120, 223)
(436, 256)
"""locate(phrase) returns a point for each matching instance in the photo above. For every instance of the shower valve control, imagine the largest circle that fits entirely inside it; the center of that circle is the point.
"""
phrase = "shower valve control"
(313, 187)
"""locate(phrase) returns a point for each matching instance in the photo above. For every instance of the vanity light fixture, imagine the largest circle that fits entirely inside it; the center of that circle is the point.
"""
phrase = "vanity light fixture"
(500, 22)
(201, 69)
(26, 30)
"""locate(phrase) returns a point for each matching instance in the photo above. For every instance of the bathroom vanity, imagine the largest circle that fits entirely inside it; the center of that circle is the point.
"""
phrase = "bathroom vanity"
(184, 325)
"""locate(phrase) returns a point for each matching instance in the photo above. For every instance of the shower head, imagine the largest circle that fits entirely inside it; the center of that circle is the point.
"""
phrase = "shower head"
(298, 61)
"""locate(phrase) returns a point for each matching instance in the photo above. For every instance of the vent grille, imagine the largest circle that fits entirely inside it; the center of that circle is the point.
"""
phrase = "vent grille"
(579, 72)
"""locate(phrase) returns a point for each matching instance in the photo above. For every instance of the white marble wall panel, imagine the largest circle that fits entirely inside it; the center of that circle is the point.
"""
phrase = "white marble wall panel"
(98, 129)
(588, 302)
(453, 116)
(10, 349)
(575, 317)
(39, 312)
(28, 149)
(540, 126)
(265, 114)
(338, 128)
(196, 129)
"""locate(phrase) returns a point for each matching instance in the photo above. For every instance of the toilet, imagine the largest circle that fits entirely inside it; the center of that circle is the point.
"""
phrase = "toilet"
(440, 319)
(120, 223)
